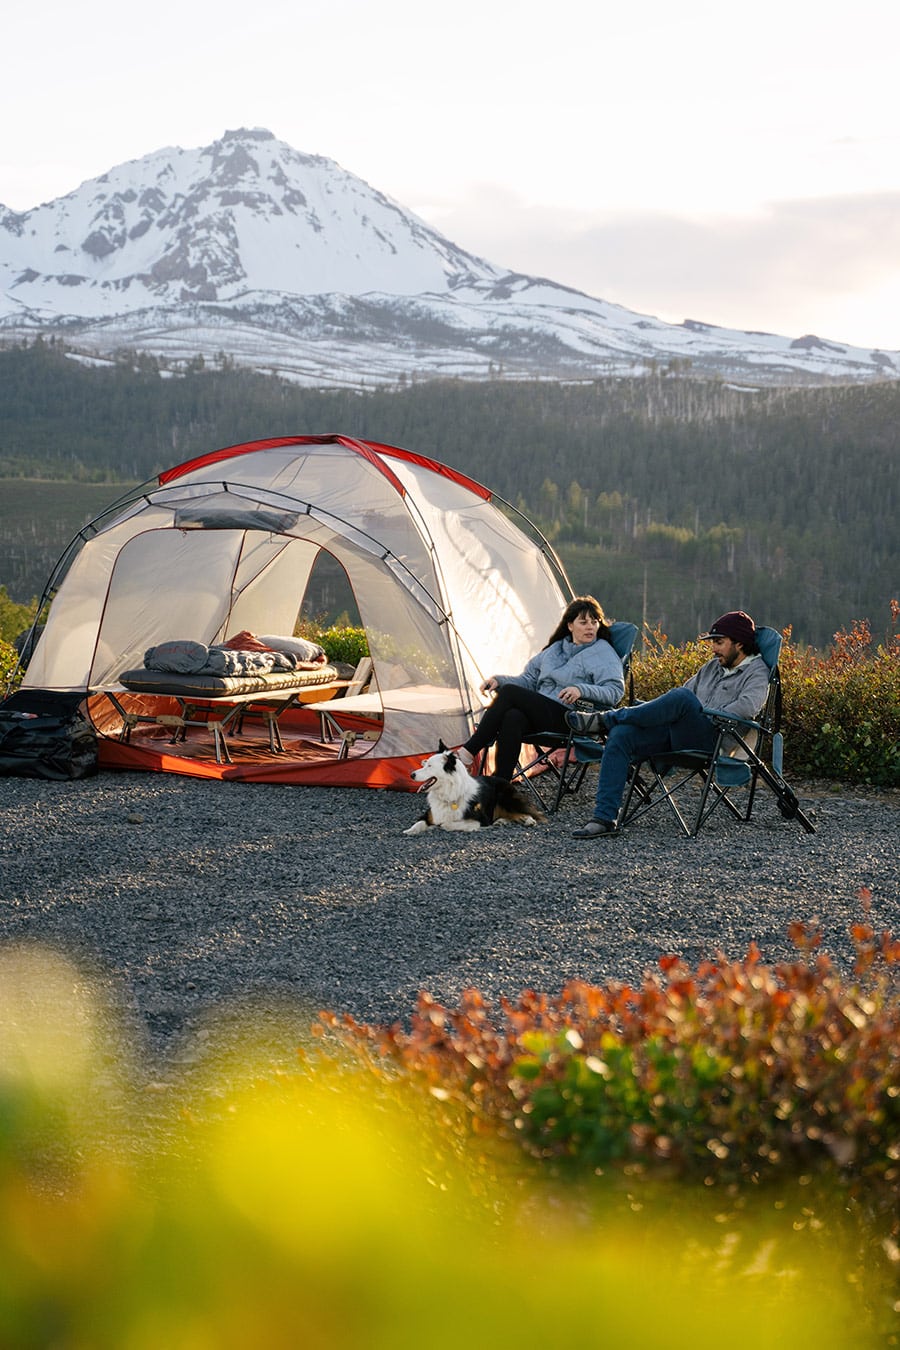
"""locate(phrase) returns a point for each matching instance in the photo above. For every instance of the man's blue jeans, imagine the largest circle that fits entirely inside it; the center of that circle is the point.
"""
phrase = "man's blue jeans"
(674, 721)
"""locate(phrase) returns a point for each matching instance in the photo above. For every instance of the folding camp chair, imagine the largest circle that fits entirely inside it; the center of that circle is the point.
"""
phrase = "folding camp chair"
(746, 752)
(565, 759)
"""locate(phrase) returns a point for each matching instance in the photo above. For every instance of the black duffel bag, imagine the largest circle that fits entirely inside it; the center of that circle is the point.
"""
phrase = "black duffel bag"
(44, 734)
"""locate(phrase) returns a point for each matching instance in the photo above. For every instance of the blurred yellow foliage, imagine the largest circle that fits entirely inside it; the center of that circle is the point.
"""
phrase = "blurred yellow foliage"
(332, 1206)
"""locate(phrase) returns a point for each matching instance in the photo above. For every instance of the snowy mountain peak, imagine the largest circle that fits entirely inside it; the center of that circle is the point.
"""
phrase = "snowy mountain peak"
(286, 261)
(247, 213)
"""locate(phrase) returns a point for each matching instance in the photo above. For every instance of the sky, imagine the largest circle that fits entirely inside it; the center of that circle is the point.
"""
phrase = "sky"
(735, 164)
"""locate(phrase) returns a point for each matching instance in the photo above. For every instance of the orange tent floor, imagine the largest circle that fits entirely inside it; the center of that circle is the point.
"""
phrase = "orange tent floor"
(306, 758)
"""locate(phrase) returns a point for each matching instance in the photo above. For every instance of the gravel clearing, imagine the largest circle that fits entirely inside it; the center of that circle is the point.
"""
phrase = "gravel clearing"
(183, 896)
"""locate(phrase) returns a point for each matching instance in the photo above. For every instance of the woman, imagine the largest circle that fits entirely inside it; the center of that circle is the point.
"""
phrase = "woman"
(578, 662)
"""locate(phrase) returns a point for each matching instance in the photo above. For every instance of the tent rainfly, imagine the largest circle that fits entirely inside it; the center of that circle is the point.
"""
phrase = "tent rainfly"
(448, 588)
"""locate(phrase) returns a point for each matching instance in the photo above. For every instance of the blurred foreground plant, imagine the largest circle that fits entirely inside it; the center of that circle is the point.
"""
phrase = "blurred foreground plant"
(738, 1077)
(736, 1071)
(338, 1205)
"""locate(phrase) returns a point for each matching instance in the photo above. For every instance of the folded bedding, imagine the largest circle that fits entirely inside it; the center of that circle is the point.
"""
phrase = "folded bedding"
(184, 657)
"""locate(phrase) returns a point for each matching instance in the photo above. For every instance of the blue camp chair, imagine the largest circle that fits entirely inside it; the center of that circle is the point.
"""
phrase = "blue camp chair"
(746, 752)
(578, 752)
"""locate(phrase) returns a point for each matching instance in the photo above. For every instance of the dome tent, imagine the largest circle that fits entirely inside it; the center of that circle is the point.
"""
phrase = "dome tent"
(448, 590)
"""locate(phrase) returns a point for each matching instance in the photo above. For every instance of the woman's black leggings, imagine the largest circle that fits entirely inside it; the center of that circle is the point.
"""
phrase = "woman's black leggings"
(514, 714)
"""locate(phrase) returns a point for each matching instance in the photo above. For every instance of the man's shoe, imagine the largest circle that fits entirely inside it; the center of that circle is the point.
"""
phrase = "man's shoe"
(587, 723)
(596, 829)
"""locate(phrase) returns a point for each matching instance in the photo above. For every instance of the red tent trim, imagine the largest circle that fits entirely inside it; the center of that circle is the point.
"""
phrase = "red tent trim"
(435, 466)
(370, 450)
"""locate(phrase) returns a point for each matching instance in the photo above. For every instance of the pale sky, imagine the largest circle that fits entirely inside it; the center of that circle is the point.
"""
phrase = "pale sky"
(738, 164)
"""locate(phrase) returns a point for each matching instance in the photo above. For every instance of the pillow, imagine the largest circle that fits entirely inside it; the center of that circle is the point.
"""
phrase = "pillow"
(181, 657)
(295, 646)
(246, 641)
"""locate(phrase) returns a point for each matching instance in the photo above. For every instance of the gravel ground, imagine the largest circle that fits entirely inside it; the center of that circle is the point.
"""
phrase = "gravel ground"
(183, 896)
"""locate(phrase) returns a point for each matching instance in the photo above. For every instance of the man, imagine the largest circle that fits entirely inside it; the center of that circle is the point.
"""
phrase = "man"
(734, 680)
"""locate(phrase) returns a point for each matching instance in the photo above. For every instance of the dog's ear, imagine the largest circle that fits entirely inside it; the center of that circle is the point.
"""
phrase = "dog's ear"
(442, 748)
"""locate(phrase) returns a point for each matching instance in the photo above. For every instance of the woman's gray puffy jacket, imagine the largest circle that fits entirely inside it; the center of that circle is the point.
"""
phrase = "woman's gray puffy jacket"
(592, 667)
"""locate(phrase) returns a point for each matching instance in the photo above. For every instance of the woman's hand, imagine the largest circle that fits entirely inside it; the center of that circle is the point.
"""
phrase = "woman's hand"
(571, 694)
(489, 685)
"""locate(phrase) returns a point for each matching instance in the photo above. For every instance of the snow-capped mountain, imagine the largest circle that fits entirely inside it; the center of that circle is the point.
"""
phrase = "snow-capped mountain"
(284, 261)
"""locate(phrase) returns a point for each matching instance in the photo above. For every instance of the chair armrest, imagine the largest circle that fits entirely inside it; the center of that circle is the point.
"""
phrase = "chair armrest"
(719, 715)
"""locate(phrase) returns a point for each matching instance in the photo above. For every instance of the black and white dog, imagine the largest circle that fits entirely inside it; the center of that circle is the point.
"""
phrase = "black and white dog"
(458, 801)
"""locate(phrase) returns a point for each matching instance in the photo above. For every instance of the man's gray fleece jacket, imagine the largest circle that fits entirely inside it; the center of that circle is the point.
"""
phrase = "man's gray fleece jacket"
(741, 691)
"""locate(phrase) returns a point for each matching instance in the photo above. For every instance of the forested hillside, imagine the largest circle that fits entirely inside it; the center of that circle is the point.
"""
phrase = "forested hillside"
(669, 497)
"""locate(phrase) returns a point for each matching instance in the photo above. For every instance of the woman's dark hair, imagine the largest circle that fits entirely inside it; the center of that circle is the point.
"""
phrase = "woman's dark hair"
(582, 604)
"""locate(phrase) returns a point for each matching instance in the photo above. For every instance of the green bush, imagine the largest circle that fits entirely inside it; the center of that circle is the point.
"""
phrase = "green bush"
(842, 711)
(345, 642)
(8, 660)
(341, 642)
(14, 618)
(841, 714)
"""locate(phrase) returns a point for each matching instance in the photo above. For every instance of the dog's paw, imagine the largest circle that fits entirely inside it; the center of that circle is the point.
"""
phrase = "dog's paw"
(419, 827)
(466, 826)
(501, 820)
(528, 820)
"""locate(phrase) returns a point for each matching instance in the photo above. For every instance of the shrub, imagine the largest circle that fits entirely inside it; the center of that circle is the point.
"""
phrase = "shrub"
(736, 1071)
(344, 642)
(659, 667)
(341, 642)
(14, 618)
(8, 660)
(842, 711)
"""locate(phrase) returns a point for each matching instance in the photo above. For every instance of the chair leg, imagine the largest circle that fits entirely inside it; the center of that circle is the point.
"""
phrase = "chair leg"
(642, 795)
(713, 796)
(656, 791)
(788, 804)
(690, 829)
(571, 774)
(521, 779)
(653, 794)
(568, 777)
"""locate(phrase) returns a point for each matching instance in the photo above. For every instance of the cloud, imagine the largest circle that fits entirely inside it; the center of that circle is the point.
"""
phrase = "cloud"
(787, 267)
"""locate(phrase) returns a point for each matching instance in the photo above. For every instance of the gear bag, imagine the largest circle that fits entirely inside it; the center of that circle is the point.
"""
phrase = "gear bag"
(43, 734)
